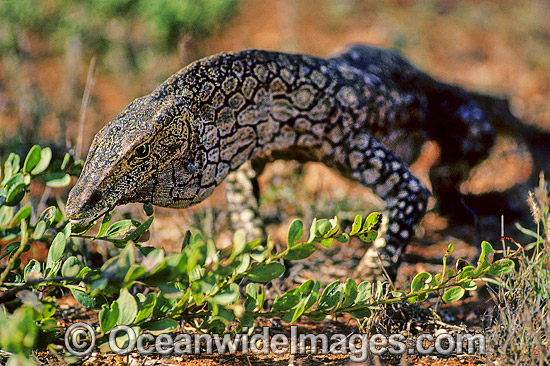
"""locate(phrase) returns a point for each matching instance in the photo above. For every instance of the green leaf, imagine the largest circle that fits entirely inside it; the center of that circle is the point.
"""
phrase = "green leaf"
(252, 290)
(501, 267)
(32, 159)
(32, 267)
(24, 213)
(146, 305)
(16, 264)
(288, 300)
(306, 287)
(295, 232)
(56, 250)
(122, 340)
(48, 216)
(397, 294)
(300, 251)
(468, 285)
(266, 272)
(127, 308)
(59, 182)
(153, 261)
(323, 227)
(76, 168)
(357, 225)
(342, 238)
(65, 161)
(453, 294)
(104, 225)
(465, 272)
(134, 272)
(312, 229)
(334, 227)
(162, 326)
(6, 215)
(16, 179)
(239, 243)
(251, 297)
(368, 236)
(350, 292)
(39, 230)
(364, 292)
(482, 263)
(11, 167)
(293, 314)
(18, 334)
(11, 248)
(186, 240)
(450, 250)
(163, 305)
(227, 297)
(90, 302)
(222, 314)
(317, 317)
(119, 228)
(140, 230)
(361, 313)
(108, 317)
(15, 194)
(148, 208)
(45, 158)
(331, 297)
(313, 296)
(372, 221)
(125, 259)
(81, 229)
(326, 243)
(486, 249)
(436, 280)
(243, 263)
(261, 297)
(116, 267)
(421, 282)
(71, 267)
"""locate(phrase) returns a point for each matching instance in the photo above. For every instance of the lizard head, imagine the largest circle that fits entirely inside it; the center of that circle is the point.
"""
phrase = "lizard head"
(148, 153)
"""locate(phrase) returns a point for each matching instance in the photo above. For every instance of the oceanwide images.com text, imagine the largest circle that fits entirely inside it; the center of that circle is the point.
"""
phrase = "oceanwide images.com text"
(80, 340)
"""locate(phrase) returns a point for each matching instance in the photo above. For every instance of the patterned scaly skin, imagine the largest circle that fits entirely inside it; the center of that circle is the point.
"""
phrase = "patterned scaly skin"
(175, 145)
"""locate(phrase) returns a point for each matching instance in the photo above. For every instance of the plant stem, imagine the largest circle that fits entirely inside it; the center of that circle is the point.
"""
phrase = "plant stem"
(24, 240)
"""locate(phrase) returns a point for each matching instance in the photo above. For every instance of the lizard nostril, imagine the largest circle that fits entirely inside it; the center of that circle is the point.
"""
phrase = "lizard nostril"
(94, 198)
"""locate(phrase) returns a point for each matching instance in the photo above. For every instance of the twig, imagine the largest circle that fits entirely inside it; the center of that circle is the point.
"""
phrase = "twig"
(87, 91)
(8, 294)
(24, 237)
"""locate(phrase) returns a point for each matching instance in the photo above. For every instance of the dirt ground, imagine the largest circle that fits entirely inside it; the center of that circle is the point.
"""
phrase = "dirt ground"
(496, 47)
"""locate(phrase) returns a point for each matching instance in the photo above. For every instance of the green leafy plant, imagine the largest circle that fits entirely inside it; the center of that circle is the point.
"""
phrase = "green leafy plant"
(154, 291)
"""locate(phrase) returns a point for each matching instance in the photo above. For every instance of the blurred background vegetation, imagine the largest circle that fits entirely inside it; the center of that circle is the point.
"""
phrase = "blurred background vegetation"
(45, 46)
(69, 66)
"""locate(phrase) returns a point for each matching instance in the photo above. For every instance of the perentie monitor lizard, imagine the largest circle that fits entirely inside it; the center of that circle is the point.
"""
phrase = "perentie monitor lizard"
(365, 112)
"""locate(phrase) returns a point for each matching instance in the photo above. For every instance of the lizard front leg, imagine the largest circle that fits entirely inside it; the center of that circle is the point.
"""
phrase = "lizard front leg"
(406, 198)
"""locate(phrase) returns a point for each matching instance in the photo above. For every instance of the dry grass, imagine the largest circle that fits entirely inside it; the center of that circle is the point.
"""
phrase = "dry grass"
(520, 334)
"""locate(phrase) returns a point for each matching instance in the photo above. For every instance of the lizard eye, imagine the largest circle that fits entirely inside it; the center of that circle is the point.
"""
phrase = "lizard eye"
(142, 151)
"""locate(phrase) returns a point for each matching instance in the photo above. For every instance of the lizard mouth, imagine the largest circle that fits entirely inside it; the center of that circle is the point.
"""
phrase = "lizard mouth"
(83, 221)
